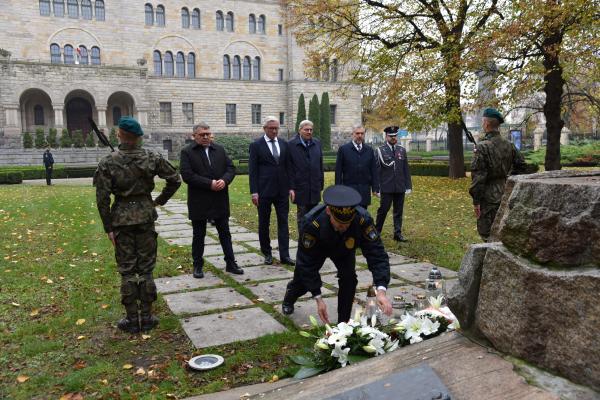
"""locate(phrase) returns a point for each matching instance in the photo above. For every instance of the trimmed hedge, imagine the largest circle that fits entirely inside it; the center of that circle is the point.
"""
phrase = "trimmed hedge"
(58, 172)
(10, 178)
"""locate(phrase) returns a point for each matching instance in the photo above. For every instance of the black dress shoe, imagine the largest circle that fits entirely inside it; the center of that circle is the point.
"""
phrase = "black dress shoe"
(400, 238)
(149, 322)
(288, 261)
(269, 259)
(287, 308)
(233, 268)
(198, 274)
(129, 325)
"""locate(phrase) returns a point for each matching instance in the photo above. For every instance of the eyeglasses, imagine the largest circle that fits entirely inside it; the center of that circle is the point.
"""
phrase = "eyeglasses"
(202, 135)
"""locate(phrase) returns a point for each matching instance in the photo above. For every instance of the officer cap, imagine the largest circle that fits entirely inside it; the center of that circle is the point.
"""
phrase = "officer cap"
(391, 130)
(129, 124)
(493, 113)
(341, 201)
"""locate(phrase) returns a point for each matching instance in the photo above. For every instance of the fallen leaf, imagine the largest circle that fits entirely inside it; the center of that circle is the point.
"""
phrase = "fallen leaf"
(80, 321)
(16, 304)
(80, 337)
(146, 337)
(71, 396)
(104, 306)
(81, 364)
(49, 281)
(33, 313)
(127, 366)
(140, 371)
(22, 378)
(274, 379)
(104, 381)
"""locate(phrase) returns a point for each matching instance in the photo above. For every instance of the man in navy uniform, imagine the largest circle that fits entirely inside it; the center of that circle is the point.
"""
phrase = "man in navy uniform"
(334, 230)
(394, 181)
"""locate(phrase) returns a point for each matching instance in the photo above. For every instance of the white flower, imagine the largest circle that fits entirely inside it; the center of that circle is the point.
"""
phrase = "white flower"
(322, 344)
(378, 344)
(428, 327)
(341, 354)
(436, 302)
(369, 349)
(454, 325)
(374, 319)
(391, 346)
(413, 328)
(337, 339)
(345, 329)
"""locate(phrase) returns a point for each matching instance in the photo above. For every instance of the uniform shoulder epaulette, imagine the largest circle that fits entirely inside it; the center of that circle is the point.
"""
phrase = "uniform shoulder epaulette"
(315, 223)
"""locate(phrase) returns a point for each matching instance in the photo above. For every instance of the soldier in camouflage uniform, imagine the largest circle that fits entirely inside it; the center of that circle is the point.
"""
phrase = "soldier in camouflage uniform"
(494, 158)
(128, 174)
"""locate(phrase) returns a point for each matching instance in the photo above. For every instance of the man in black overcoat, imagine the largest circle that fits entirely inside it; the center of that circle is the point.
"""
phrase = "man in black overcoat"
(208, 172)
(306, 172)
(356, 167)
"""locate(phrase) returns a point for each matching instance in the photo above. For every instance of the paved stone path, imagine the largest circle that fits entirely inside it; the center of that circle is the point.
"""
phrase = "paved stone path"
(214, 313)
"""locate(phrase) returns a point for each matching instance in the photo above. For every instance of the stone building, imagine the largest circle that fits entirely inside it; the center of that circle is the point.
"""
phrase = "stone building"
(169, 63)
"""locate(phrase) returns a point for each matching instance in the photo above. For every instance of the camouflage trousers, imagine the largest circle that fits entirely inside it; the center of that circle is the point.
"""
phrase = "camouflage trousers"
(486, 219)
(135, 252)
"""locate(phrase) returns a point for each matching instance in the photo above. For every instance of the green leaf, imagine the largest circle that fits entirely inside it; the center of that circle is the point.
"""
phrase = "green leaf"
(307, 372)
(352, 358)
(302, 360)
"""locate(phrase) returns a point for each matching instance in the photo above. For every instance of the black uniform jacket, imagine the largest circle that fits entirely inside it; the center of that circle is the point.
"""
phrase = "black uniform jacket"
(394, 175)
(318, 241)
(357, 170)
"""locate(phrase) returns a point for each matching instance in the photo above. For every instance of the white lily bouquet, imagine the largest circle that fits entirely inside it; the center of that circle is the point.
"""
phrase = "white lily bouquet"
(361, 338)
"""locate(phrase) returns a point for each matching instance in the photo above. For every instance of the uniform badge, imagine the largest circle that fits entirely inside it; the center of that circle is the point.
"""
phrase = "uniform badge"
(371, 233)
(350, 243)
(308, 240)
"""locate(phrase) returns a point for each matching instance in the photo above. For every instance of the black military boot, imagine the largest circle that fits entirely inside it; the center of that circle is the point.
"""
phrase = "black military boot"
(149, 321)
(131, 322)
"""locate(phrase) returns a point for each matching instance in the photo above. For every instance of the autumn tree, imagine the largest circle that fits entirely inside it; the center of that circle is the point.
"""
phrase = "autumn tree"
(418, 50)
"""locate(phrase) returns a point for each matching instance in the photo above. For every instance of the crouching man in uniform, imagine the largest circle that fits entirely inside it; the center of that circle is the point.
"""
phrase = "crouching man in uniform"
(334, 230)
(129, 174)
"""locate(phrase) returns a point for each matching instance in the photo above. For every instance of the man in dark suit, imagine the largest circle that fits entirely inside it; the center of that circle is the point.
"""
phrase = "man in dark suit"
(355, 166)
(208, 172)
(49, 165)
(395, 182)
(306, 171)
(270, 186)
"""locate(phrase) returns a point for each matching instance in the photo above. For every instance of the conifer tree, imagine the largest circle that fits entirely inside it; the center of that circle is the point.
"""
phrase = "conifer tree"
(325, 122)
(313, 116)
(301, 115)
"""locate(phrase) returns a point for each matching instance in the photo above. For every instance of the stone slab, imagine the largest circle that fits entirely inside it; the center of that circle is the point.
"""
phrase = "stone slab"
(365, 279)
(274, 244)
(243, 260)
(167, 220)
(179, 233)
(232, 229)
(185, 241)
(172, 227)
(396, 259)
(173, 216)
(273, 292)
(216, 249)
(228, 327)
(418, 272)
(244, 237)
(304, 309)
(205, 300)
(264, 272)
(186, 282)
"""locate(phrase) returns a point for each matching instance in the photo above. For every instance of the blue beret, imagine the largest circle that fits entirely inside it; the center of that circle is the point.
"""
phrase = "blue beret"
(129, 124)
(493, 113)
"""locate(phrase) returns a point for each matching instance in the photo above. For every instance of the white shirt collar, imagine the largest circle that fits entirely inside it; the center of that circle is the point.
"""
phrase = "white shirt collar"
(269, 140)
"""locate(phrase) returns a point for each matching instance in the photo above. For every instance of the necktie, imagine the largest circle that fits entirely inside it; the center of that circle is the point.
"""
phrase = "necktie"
(394, 150)
(359, 146)
(207, 152)
(274, 148)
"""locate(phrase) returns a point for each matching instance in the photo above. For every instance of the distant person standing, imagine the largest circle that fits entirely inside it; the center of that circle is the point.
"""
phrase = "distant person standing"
(355, 166)
(394, 181)
(49, 164)
(208, 172)
(306, 170)
(494, 158)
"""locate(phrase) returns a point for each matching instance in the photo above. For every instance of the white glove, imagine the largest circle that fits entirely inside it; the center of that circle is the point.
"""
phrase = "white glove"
(408, 191)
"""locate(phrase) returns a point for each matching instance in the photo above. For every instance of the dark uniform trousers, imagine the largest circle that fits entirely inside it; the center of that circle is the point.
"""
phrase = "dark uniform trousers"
(486, 219)
(49, 175)
(387, 199)
(135, 253)
(282, 209)
(199, 228)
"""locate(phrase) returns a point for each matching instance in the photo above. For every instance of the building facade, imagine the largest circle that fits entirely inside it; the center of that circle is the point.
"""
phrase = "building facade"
(170, 64)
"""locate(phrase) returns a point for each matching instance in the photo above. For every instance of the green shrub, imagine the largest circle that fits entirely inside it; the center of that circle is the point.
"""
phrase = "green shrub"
(11, 177)
(112, 137)
(77, 136)
(236, 147)
(89, 140)
(40, 139)
(59, 171)
(52, 137)
(584, 155)
(65, 139)
(27, 141)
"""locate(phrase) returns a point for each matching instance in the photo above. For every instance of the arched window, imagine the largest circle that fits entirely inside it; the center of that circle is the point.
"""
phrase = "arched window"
(73, 8)
(38, 115)
(55, 54)
(247, 69)
(262, 23)
(180, 64)
(251, 23)
(237, 67)
(191, 65)
(95, 55)
(185, 18)
(44, 7)
(157, 63)
(68, 54)
(168, 63)
(229, 22)
(59, 8)
(219, 20)
(196, 18)
(86, 9)
(83, 55)
(160, 15)
(226, 67)
(149, 14)
(100, 10)
(334, 70)
(116, 111)
(256, 69)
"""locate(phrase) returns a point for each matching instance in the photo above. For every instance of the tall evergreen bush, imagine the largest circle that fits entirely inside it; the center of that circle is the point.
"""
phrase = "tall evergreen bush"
(325, 122)
(65, 139)
(52, 137)
(27, 140)
(77, 136)
(314, 116)
(40, 139)
(89, 140)
(301, 115)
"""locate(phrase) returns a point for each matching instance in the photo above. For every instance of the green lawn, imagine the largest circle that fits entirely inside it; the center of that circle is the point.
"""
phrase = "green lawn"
(59, 296)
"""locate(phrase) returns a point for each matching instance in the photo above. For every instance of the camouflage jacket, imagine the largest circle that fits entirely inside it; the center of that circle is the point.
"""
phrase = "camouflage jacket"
(494, 159)
(129, 174)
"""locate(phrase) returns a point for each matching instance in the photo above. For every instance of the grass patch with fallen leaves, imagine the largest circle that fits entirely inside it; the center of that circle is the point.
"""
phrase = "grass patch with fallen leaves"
(59, 302)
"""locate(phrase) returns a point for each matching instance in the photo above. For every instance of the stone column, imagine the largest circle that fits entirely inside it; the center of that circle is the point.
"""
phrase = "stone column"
(102, 117)
(59, 123)
(538, 134)
(428, 141)
(405, 142)
(564, 136)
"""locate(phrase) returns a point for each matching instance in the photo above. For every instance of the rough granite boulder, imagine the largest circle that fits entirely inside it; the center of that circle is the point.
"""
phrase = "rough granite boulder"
(552, 218)
(548, 317)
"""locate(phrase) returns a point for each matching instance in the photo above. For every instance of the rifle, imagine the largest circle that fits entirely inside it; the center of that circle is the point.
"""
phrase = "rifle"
(468, 133)
(101, 136)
